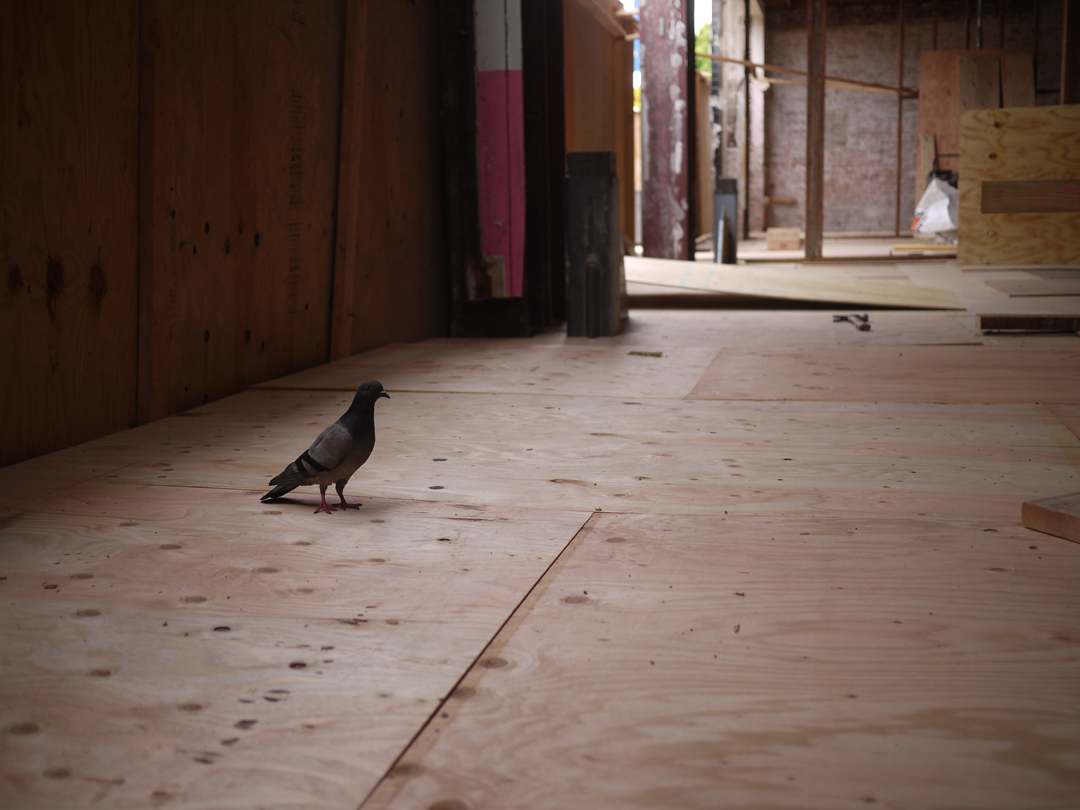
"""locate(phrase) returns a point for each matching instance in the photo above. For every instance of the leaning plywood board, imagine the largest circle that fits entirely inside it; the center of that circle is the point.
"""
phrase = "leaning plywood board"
(200, 650)
(787, 282)
(1037, 286)
(903, 374)
(1018, 143)
(752, 663)
(513, 367)
(1057, 516)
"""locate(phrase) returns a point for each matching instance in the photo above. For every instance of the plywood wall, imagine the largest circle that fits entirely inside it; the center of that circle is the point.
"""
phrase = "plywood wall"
(68, 222)
(169, 201)
(1018, 143)
(244, 179)
(600, 98)
(392, 270)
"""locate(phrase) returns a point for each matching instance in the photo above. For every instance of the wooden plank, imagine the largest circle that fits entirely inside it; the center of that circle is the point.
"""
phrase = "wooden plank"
(980, 82)
(69, 206)
(1017, 79)
(1037, 287)
(911, 374)
(719, 662)
(1020, 143)
(925, 163)
(786, 283)
(815, 126)
(1036, 323)
(1029, 196)
(939, 86)
(1058, 516)
(181, 668)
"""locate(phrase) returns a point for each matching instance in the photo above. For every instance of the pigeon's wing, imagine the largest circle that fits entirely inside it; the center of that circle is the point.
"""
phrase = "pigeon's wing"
(329, 450)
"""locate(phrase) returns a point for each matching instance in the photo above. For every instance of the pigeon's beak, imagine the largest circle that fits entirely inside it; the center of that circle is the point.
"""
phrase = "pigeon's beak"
(383, 394)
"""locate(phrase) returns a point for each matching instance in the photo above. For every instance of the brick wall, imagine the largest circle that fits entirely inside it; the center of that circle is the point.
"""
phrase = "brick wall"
(861, 127)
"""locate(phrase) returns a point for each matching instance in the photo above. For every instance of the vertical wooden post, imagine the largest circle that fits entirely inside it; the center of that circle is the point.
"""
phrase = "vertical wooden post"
(967, 24)
(933, 35)
(667, 130)
(1001, 23)
(815, 126)
(900, 117)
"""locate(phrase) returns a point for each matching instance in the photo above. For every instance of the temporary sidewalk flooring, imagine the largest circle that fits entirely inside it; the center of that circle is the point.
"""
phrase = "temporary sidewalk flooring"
(734, 557)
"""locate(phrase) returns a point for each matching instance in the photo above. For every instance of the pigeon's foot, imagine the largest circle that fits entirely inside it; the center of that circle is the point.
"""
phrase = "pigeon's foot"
(323, 507)
(344, 505)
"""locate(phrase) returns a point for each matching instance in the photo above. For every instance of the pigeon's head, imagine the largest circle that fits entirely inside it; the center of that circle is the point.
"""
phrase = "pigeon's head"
(371, 391)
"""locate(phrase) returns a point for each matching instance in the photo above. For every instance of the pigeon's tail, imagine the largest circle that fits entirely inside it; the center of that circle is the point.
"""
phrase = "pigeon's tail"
(277, 492)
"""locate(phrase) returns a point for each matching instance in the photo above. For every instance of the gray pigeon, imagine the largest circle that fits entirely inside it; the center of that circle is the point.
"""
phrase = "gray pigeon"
(337, 453)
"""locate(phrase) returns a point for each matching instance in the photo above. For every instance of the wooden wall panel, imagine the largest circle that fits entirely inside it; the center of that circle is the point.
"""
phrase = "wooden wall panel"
(1018, 143)
(953, 81)
(600, 98)
(396, 257)
(68, 222)
(243, 182)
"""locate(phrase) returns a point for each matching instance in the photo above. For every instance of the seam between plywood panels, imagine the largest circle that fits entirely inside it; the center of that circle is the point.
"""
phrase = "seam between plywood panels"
(408, 763)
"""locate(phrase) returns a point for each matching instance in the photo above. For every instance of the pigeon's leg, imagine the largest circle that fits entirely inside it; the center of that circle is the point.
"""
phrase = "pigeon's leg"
(322, 506)
(340, 486)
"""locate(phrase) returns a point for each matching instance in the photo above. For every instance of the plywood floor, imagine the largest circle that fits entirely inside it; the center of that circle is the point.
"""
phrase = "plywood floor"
(744, 558)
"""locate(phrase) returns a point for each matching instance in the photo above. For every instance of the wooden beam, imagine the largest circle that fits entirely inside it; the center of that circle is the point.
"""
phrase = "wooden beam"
(604, 16)
(1057, 516)
(832, 82)
(815, 127)
(899, 116)
(1030, 196)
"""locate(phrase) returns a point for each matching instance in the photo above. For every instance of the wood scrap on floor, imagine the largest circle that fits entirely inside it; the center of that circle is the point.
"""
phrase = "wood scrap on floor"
(1029, 323)
(786, 282)
(1058, 516)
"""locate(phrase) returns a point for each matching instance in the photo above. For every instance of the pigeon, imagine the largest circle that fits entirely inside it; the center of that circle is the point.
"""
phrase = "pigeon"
(337, 453)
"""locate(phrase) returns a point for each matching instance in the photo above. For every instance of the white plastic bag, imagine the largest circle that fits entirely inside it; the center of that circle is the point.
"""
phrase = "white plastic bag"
(936, 212)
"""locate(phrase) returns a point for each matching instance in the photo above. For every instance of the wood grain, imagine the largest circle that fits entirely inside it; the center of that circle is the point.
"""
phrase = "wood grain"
(69, 85)
(726, 662)
(980, 81)
(199, 643)
(785, 283)
(1022, 143)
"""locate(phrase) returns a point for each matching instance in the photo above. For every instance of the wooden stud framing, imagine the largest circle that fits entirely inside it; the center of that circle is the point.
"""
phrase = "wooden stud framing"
(815, 128)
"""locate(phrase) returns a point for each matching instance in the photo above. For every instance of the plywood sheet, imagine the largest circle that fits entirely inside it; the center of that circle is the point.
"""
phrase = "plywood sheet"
(1023, 287)
(1058, 516)
(785, 282)
(1019, 143)
(660, 455)
(198, 645)
(980, 81)
(240, 202)
(511, 366)
(69, 85)
(906, 374)
(704, 662)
